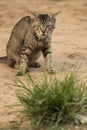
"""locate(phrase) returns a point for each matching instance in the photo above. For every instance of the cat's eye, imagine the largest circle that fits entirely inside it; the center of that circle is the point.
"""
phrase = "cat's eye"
(50, 27)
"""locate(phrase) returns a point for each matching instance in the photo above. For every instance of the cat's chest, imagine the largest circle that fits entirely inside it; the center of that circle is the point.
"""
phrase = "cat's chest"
(40, 45)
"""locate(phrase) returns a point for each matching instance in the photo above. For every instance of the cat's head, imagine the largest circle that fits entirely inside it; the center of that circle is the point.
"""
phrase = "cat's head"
(43, 25)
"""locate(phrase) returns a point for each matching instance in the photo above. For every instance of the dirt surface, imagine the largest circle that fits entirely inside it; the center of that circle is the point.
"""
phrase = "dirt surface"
(69, 44)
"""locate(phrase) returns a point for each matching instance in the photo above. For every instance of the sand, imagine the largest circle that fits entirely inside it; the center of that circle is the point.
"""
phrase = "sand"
(69, 44)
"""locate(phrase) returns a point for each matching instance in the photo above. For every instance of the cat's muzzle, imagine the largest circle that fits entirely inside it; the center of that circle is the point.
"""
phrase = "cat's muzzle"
(43, 37)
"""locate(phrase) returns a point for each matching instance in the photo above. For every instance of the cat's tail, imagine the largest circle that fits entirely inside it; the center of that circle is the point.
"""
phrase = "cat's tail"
(3, 59)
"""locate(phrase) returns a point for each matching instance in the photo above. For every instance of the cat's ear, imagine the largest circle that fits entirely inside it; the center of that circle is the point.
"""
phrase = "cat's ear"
(34, 13)
(55, 14)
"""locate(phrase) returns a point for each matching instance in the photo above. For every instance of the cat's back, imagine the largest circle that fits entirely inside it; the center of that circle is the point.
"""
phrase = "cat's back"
(19, 30)
(22, 24)
(17, 36)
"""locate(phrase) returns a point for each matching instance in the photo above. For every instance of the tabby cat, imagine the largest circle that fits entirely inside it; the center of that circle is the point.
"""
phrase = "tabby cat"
(30, 37)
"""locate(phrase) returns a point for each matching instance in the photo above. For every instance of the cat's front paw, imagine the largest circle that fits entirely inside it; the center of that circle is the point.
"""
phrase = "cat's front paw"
(21, 72)
(52, 71)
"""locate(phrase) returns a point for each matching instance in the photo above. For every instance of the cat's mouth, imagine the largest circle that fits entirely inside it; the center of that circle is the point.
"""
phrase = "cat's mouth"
(41, 37)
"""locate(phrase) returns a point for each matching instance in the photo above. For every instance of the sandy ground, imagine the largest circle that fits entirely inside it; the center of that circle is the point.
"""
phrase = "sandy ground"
(69, 44)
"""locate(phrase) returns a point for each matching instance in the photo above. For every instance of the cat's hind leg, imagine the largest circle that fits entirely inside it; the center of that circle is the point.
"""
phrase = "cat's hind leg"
(32, 61)
(35, 65)
(23, 64)
(11, 62)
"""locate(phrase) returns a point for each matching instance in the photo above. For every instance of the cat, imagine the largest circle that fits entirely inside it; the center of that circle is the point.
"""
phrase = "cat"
(30, 37)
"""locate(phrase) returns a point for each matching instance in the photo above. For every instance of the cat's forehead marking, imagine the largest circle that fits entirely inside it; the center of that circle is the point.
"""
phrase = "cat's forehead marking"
(43, 17)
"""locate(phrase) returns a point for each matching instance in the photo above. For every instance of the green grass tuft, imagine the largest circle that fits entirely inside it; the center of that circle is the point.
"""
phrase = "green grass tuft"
(53, 101)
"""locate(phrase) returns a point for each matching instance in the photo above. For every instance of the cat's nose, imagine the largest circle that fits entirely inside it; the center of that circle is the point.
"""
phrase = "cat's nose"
(44, 34)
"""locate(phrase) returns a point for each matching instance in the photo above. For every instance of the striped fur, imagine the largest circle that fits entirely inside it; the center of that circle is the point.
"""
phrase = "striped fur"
(30, 37)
